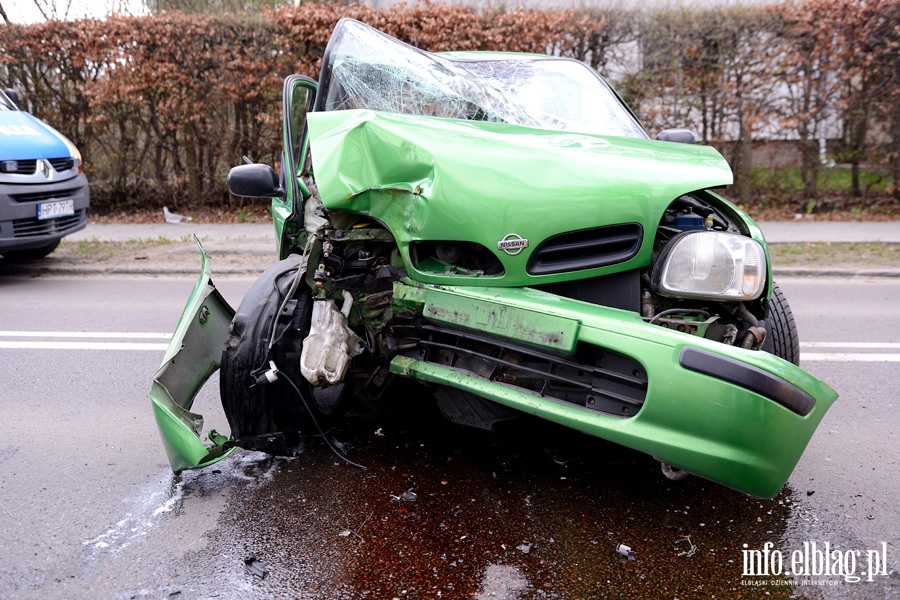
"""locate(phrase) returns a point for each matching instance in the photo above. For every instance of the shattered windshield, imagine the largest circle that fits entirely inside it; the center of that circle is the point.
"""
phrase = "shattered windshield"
(367, 69)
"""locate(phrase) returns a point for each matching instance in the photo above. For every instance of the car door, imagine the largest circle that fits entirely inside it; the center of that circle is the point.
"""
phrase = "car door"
(287, 212)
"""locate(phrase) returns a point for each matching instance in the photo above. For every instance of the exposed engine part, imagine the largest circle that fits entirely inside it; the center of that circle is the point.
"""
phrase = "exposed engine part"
(647, 304)
(463, 408)
(754, 338)
(377, 382)
(679, 311)
(731, 332)
(671, 473)
(331, 344)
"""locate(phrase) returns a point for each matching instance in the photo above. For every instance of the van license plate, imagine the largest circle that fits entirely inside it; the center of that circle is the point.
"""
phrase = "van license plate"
(52, 210)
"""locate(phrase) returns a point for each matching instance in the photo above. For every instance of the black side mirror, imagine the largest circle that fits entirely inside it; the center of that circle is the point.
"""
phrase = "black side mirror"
(681, 136)
(12, 95)
(254, 181)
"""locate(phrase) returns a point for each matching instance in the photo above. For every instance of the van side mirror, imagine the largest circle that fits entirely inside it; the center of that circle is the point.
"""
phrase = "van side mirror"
(12, 95)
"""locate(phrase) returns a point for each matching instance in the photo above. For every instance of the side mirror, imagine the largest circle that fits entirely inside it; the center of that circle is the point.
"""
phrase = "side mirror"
(681, 136)
(12, 95)
(254, 181)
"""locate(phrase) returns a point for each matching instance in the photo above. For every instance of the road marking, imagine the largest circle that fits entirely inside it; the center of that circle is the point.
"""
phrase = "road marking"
(82, 346)
(849, 356)
(83, 343)
(846, 357)
(873, 345)
(86, 334)
(157, 347)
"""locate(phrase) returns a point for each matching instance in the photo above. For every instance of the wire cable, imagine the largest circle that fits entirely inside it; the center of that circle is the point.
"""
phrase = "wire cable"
(319, 428)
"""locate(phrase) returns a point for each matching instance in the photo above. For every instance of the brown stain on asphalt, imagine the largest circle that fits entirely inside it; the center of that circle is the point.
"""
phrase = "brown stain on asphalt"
(327, 530)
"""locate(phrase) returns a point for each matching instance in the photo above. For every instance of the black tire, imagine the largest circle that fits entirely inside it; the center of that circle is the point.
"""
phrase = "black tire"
(31, 253)
(266, 416)
(782, 340)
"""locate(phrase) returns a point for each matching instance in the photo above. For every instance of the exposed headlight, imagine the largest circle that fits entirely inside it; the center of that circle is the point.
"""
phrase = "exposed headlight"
(711, 265)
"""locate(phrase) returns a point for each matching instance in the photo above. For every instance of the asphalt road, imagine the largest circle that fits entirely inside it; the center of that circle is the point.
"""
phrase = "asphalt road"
(90, 509)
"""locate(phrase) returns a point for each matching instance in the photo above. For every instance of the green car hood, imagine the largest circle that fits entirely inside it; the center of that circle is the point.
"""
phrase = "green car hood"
(431, 178)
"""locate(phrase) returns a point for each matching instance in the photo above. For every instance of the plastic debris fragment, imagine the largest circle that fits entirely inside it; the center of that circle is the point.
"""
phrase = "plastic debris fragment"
(175, 218)
(625, 551)
(255, 567)
(690, 551)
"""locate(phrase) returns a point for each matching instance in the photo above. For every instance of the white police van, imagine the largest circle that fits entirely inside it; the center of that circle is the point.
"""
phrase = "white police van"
(43, 191)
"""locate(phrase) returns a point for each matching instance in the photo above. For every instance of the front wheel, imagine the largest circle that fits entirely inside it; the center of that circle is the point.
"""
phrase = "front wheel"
(265, 415)
(783, 340)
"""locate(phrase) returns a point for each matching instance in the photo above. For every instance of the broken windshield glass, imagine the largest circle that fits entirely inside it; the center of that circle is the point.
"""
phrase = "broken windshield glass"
(366, 69)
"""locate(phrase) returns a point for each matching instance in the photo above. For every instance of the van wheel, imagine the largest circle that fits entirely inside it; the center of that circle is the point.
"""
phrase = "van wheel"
(31, 253)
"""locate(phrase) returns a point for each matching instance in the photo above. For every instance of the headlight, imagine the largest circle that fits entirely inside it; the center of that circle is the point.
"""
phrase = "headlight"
(711, 265)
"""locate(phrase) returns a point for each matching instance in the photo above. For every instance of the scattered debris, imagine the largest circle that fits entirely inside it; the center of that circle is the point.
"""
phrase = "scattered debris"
(524, 547)
(409, 496)
(341, 446)
(255, 567)
(625, 551)
(345, 533)
(810, 492)
(870, 517)
(379, 432)
(174, 218)
(691, 551)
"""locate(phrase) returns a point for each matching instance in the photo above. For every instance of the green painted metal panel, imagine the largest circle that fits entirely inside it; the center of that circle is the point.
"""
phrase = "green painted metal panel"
(692, 421)
(429, 178)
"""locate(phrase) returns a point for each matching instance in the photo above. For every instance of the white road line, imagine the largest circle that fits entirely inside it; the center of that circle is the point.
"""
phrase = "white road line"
(846, 357)
(873, 345)
(149, 346)
(83, 346)
(86, 334)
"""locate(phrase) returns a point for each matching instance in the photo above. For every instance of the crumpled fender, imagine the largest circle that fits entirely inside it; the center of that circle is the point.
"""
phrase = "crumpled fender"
(192, 357)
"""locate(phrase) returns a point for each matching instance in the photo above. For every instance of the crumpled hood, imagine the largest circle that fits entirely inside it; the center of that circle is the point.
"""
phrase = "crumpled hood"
(23, 137)
(445, 179)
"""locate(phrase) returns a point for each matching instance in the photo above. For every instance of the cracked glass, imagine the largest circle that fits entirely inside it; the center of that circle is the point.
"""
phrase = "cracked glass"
(367, 69)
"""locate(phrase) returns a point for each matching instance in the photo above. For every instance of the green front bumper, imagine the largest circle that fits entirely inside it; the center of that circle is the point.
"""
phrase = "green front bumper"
(737, 417)
(710, 409)
(192, 357)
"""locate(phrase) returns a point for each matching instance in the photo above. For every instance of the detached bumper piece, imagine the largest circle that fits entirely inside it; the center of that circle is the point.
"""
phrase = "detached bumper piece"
(192, 357)
(738, 417)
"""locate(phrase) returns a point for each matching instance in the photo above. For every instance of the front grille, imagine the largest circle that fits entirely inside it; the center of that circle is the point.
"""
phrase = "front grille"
(596, 379)
(24, 167)
(26, 228)
(48, 195)
(28, 167)
(586, 249)
(62, 164)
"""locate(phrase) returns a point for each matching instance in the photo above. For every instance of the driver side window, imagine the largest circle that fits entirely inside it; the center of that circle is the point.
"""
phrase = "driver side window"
(301, 95)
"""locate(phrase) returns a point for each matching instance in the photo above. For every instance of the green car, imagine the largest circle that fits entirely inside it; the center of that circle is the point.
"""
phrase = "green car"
(500, 227)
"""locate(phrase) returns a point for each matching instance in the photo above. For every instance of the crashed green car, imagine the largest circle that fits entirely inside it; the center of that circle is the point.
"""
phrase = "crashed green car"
(500, 227)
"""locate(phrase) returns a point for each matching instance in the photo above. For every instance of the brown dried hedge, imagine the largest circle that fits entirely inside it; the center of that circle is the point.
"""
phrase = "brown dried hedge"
(162, 106)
